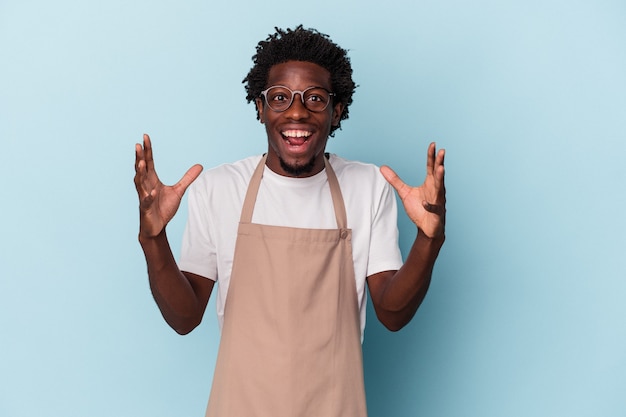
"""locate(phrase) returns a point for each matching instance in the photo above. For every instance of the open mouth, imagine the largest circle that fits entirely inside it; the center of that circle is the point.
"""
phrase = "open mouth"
(296, 137)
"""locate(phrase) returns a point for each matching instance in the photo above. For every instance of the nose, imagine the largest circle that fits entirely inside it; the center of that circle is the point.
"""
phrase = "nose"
(297, 110)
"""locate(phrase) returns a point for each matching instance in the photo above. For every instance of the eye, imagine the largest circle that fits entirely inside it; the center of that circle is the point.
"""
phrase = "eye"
(315, 97)
(278, 97)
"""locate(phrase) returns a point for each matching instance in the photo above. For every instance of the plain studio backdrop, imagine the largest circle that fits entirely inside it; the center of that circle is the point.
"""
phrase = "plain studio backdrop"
(526, 313)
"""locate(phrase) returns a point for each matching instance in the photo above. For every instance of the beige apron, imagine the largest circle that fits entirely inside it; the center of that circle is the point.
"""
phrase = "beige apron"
(291, 340)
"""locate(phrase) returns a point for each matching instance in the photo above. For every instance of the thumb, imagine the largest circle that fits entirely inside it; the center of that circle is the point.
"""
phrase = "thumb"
(392, 178)
(189, 177)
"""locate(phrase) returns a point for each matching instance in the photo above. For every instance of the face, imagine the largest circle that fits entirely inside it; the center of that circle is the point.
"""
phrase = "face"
(297, 137)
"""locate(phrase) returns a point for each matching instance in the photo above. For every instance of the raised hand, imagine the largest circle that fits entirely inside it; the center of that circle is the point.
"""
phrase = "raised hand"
(425, 205)
(158, 203)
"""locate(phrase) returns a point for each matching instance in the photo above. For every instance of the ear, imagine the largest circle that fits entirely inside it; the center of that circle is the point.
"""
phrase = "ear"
(337, 111)
(259, 109)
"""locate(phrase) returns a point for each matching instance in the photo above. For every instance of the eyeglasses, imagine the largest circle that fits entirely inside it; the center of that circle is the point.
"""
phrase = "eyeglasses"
(279, 98)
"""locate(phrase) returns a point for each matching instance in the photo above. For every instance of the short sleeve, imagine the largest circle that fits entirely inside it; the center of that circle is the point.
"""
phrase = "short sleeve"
(198, 251)
(384, 253)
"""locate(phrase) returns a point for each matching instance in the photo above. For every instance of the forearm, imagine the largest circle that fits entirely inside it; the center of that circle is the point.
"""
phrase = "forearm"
(399, 295)
(170, 288)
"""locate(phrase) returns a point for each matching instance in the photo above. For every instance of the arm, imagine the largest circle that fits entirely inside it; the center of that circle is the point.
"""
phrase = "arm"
(181, 296)
(396, 295)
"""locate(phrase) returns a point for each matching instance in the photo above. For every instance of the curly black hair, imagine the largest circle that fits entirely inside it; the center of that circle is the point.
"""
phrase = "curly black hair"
(307, 45)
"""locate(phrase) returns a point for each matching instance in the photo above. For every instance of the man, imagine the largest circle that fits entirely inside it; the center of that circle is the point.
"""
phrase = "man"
(292, 237)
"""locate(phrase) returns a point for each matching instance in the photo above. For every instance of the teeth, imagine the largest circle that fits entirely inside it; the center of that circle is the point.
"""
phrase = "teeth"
(296, 133)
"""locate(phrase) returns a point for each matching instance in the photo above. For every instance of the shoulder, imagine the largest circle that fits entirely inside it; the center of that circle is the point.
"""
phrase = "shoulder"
(226, 176)
(353, 173)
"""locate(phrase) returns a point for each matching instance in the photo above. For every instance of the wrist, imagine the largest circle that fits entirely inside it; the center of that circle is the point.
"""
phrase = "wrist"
(437, 239)
(147, 239)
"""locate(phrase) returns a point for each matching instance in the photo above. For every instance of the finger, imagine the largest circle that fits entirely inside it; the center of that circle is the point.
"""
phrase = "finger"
(138, 155)
(440, 180)
(142, 184)
(393, 179)
(189, 177)
(144, 180)
(440, 169)
(144, 165)
(430, 159)
(140, 165)
(147, 147)
(439, 160)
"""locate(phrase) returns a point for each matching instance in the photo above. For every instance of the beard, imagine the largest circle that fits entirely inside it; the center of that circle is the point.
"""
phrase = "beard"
(297, 170)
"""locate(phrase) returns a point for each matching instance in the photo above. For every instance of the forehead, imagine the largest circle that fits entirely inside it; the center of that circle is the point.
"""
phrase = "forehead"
(299, 75)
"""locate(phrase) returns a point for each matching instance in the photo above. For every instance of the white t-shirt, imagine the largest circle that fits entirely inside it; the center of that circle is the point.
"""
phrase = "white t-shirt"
(216, 198)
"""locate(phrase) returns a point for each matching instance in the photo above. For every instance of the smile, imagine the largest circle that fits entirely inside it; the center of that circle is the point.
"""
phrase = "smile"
(296, 137)
(296, 133)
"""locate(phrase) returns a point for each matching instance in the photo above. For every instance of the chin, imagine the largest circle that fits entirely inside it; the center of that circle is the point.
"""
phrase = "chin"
(297, 169)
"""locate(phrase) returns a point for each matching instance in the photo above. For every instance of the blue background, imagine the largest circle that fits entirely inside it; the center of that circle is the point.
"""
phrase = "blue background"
(526, 313)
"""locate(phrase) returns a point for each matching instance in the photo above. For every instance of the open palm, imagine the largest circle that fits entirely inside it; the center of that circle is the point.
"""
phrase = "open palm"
(425, 205)
(158, 203)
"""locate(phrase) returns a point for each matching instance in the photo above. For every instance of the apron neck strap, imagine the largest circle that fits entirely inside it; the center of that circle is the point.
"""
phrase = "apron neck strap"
(335, 193)
(333, 183)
